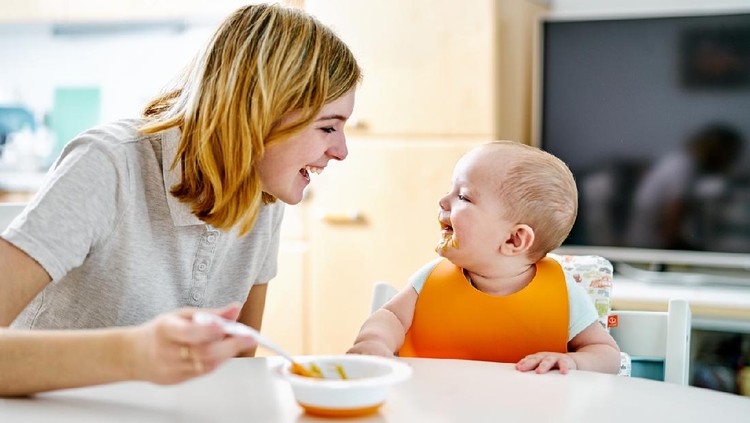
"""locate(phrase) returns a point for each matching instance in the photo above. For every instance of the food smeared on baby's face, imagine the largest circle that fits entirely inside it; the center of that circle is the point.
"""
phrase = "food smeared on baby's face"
(446, 238)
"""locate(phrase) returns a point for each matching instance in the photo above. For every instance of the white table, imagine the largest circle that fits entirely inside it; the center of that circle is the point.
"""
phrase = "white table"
(248, 390)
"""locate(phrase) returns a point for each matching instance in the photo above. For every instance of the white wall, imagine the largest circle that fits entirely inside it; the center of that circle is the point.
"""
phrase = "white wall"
(644, 6)
(129, 68)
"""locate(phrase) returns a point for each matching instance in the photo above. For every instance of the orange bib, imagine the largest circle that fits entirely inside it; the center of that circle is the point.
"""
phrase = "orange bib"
(452, 319)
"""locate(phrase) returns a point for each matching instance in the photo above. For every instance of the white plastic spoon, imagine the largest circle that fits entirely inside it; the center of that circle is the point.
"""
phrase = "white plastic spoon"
(235, 328)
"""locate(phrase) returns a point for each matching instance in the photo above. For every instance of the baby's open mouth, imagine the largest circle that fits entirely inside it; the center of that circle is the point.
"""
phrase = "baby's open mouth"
(446, 238)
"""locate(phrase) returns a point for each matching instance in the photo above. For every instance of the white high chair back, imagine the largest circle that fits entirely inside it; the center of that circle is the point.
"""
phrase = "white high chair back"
(655, 336)
(655, 345)
(382, 292)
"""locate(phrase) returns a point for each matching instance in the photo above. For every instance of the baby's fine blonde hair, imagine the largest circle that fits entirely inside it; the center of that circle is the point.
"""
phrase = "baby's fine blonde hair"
(538, 190)
(263, 63)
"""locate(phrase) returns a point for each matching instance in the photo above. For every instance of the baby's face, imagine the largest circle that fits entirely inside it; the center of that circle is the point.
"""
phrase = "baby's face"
(471, 213)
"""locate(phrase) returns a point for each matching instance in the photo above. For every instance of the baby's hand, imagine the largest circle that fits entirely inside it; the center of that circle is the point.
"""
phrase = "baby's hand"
(370, 348)
(546, 361)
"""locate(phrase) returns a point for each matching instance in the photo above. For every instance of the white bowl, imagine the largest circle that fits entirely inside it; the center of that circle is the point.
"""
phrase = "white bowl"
(369, 379)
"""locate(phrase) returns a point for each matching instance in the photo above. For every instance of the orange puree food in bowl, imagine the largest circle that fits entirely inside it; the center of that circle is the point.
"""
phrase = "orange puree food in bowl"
(312, 370)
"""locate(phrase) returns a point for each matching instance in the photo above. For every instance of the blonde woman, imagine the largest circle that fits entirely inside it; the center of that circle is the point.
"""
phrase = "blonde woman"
(179, 209)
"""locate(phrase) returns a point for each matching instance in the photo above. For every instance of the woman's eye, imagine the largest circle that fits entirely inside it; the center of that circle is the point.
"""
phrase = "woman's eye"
(328, 129)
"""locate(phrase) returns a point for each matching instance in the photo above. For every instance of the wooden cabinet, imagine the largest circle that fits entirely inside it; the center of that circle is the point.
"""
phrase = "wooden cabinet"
(439, 77)
(286, 316)
(372, 217)
(439, 67)
(428, 65)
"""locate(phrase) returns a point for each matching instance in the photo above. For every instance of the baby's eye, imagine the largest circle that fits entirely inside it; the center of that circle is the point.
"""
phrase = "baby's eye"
(462, 197)
(328, 129)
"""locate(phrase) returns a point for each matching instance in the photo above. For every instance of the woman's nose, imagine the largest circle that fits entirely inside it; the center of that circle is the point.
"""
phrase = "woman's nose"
(338, 150)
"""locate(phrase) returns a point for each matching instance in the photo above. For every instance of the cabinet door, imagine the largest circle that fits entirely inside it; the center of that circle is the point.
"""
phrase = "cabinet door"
(373, 217)
(285, 318)
(428, 64)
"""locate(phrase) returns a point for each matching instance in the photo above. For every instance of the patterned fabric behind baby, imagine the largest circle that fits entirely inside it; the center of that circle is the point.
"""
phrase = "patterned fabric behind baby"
(594, 273)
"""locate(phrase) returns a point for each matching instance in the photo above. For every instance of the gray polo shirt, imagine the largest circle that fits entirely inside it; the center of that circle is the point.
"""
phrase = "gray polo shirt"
(119, 248)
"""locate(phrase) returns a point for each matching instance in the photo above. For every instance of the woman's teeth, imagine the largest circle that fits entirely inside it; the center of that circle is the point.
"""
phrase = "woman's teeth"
(315, 170)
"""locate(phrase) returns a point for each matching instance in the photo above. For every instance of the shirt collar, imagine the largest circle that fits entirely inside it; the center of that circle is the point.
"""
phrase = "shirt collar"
(181, 213)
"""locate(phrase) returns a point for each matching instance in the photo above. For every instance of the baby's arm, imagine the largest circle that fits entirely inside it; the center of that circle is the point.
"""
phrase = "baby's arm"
(593, 349)
(383, 332)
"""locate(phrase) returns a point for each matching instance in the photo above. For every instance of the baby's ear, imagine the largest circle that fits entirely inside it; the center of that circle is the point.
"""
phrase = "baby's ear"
(519, 241)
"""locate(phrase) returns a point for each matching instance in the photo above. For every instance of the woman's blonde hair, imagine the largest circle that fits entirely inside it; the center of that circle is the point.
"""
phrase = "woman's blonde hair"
(539, 190)
(263, 63)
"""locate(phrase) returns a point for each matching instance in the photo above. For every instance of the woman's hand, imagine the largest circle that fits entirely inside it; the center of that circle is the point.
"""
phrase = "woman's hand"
(172, 348)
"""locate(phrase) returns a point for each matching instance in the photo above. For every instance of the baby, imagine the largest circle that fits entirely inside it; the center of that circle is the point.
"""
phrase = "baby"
(493, 295)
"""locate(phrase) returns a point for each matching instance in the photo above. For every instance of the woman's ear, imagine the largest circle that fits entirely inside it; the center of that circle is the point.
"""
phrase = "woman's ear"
(519, 241)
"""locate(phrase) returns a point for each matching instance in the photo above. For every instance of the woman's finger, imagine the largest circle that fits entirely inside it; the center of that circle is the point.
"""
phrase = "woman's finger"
(180, 329)
(215, 353)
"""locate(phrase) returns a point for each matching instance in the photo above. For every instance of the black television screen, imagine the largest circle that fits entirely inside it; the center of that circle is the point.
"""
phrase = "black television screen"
(652, 115)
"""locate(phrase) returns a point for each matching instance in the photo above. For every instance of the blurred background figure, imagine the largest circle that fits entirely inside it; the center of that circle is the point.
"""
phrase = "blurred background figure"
(675, 203)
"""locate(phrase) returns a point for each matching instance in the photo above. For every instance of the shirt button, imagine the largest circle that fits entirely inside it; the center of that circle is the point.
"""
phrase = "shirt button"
(202, 267)
(196, 296)
(211, 239)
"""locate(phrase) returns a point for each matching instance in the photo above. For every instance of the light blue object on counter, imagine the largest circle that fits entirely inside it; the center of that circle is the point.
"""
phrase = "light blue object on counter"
(75, 110)
(14, 119)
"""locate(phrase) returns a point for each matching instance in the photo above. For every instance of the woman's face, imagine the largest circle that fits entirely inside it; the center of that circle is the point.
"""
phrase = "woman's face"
(286, 166)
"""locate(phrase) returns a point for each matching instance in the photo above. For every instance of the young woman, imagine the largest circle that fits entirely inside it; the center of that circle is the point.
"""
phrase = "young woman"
(175, 210)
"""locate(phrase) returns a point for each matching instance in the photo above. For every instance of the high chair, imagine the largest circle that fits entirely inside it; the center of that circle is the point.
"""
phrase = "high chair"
(646, 338)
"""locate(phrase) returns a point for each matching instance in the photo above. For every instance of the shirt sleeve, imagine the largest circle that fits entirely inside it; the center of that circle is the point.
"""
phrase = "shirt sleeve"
(76, 209)
(581, 308)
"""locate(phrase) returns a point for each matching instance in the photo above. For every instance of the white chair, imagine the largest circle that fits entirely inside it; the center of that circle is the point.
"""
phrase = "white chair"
(381, 293)
(8, 212)
(653, 337)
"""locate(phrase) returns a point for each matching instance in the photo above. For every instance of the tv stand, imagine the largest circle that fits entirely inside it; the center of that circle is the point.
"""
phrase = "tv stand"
(660, 273)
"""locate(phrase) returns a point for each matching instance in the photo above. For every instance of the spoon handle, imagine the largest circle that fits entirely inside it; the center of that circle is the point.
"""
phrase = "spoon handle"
(236, 328)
